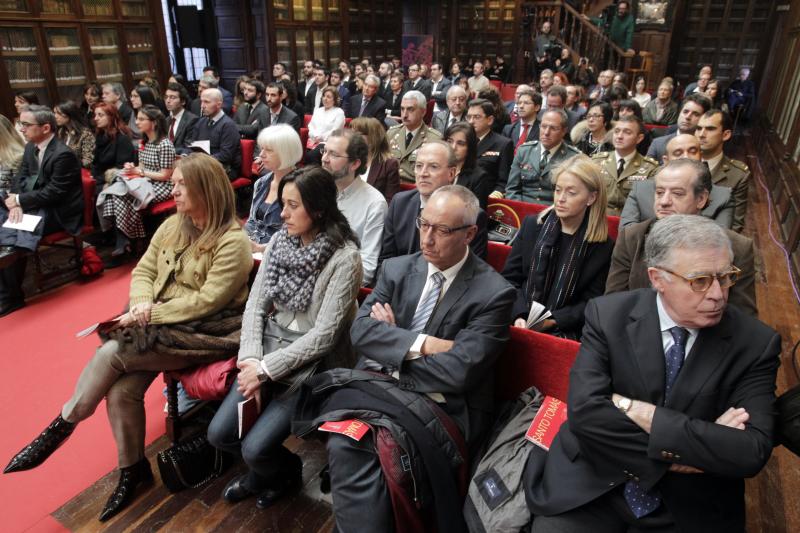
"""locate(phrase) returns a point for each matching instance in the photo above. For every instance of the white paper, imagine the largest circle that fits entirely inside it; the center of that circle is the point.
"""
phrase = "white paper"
(258, 256)
(203, 145)
(29, 223)
(537, 315)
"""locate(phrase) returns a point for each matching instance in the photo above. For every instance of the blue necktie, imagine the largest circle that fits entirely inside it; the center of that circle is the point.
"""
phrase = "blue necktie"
(426, 306)
(642, 502)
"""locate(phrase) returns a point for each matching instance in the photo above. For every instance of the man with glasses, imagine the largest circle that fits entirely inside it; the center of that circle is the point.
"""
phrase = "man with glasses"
(416, 82)
(436, 321)
(682, 187)
(435, 167)
(48, 185)
(181, 122)
(526, 128)
(345, 157)
(671, 399)
(456, 110)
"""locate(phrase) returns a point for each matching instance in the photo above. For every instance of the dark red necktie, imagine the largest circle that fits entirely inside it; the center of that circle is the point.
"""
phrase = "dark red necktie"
(523, 137)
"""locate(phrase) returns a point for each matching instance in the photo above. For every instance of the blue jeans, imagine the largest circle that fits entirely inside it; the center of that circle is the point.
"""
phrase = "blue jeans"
(262, 448)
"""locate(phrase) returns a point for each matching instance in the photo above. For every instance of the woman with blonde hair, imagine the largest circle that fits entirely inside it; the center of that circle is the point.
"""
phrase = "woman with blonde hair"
(560, 258)
(280, 151)
(383, 170)
(186, 299)
(11, 149)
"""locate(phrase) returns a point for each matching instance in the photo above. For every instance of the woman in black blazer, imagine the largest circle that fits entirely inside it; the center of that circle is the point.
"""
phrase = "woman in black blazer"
(462, 139)
(383, 170)
(560, 258)
(113, 147)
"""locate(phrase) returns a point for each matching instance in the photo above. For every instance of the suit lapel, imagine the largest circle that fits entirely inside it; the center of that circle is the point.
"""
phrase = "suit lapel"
(646, 348)
(411, 216)
(702, 362)
(451, 297)
(413, 290)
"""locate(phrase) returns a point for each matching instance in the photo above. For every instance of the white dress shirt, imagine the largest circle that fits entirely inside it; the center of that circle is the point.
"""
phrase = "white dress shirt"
(365, 209)
(667, 323)
(323, 122)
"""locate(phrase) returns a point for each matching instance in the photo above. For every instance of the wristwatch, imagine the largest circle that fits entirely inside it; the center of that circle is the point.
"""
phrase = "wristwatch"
(624, 404)
(262, 375)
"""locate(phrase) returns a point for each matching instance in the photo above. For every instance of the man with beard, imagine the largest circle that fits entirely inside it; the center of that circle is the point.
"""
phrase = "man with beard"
(252, 116)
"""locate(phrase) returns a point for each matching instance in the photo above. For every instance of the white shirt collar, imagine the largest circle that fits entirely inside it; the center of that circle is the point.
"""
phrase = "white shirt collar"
(216, 118)
(666, 323)
(451, 273)
(414, 133)
(628, 158)
(179, 115)
(714, 162)
(43, 145)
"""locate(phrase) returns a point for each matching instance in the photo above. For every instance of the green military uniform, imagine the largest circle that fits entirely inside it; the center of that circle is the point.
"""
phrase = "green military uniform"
(618, 187)
(528, 180)
(407, 155)
(734, 174)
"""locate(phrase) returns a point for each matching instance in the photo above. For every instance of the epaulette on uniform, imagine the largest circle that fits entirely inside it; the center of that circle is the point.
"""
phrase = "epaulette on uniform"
(529, 143)
(600, 155)
(651, 160)
(740, 165)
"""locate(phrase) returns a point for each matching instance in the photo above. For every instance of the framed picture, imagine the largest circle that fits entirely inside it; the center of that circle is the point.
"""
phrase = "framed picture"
(653, 14)
(417, 49)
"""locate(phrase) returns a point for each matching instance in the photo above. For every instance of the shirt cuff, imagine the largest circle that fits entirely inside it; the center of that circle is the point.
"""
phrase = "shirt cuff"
(415, 352)
(263, 365)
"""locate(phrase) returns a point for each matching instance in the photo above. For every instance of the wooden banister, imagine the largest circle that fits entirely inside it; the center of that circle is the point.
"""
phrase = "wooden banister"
(581, 36)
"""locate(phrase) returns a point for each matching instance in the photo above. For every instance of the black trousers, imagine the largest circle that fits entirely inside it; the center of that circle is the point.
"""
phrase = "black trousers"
(607, 514)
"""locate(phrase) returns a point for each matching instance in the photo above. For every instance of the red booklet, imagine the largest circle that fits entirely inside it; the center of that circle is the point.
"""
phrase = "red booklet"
(355, 429)
(547, 422)
(249, 411)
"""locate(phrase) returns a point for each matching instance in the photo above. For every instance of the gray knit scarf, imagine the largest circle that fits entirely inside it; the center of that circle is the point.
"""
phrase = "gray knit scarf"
(293, 268)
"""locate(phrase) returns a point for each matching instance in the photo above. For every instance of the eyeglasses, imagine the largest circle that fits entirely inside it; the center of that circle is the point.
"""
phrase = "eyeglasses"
(594, 115)
(440, 229)
(704, 282)
(325, 152)
(28, 124)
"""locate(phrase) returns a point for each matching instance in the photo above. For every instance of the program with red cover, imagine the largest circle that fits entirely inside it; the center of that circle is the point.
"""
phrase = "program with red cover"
(547, 422)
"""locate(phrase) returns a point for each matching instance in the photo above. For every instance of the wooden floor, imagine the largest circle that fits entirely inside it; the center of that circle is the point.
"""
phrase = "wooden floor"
(773, 497)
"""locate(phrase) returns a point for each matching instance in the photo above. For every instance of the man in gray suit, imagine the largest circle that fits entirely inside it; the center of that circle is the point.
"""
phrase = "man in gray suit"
(253, 116)
(456, 110)
(692, 108)
(639, 205)
(436, 321)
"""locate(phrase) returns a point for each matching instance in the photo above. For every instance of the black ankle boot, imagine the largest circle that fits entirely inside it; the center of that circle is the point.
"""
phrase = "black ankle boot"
(42, 446)
(289, 481)
(129, 478)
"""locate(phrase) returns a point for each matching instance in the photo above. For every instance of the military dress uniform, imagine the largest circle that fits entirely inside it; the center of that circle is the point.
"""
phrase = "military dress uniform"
(618, 187)
(734, 174)
(407, 155)
(529, 179)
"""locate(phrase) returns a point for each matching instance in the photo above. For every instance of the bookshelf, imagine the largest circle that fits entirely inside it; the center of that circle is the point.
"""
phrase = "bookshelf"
(54, 47)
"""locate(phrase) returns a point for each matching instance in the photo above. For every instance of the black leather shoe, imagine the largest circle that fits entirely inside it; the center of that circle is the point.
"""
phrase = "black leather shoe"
(236, 491)
(42, 446)
(290, 482)
(130, 477)
(9, 308)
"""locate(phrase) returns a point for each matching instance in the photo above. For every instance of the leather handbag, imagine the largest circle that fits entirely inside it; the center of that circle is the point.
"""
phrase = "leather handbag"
(191, 464)
(500, 231)
(277, 337)
(788, 406)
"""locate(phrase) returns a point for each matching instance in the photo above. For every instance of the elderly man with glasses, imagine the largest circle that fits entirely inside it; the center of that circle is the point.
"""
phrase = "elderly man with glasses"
(671, 399)
(682, 187)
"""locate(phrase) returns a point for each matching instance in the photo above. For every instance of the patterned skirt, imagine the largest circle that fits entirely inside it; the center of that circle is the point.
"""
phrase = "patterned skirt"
(126, 218)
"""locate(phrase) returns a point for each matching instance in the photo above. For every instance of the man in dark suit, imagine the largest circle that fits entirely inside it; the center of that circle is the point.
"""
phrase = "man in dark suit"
(439, 87)
(434, 168)
(48, 185)
(368, 104)
(308, 81)
(436, 320)
(276, 112)
(221, 132)
(394, 97)
(253, 115)
(314, 95)
(692, 108)
(682, 187)
(181, 122)
(495, 152)
(527, 105)
(671, 400)
(456, 110)
(415, 82)
(639, 204)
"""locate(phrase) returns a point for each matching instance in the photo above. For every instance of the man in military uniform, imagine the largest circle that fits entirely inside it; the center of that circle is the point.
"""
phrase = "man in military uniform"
(624, 166)
(716, 127)
(406, 138)
(529, 178)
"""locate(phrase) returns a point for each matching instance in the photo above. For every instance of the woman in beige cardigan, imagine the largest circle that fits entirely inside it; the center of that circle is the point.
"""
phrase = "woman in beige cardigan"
(194, 271)
(305, 290)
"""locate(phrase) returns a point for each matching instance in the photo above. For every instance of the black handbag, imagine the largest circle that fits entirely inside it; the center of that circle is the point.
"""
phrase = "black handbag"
(277, 337)
(500, 231)
(788, 406)
(191, 464)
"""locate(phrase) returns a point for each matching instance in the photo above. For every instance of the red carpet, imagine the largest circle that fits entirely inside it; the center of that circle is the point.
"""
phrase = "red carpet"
(40, 361)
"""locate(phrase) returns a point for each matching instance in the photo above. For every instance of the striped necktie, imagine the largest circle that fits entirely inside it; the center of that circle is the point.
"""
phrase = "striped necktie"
(428, 303)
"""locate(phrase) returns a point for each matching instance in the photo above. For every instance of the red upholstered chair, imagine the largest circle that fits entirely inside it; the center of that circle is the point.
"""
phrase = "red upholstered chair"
(652, 127)
(429, 112)
(306, 120)
(512, 212)
(498, 84)
(54, 239)
(532, 358)
(347, 122)
(496, 255)
(405, 186)
(613, 226)
(304, 137)
(248, 148)
(507, 91)
(363, 292)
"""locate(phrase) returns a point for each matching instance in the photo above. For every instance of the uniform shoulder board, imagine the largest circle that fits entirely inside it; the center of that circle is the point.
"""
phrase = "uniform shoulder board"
(651, 160)
(530, 143)
(738, 164)
(571, 148)
(395, 127)
(600, 155)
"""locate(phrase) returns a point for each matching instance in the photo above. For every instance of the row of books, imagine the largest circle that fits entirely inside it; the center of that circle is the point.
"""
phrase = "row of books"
(59, 7)
(24, 70)
(107, 66)
(17, 40)
(68, 69)
(98, 38)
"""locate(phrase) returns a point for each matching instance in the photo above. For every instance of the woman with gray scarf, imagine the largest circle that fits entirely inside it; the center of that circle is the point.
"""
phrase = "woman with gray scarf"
(296, 322)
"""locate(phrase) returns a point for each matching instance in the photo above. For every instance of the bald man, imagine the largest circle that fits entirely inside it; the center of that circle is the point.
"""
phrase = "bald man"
(220, 131)
(639, 205)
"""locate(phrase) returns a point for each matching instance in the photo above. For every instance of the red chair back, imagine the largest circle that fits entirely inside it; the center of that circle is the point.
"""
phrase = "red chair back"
(652, 127)
(304, 137)
(347, 122)
(429, 112)
(507, 92)
(88, 186)
(405, 186)
(532, 358)
(512, 212)
(497, 83)
(363, 292)
(306, 120)
(248, 147)
(496, 255)
(613, 226)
